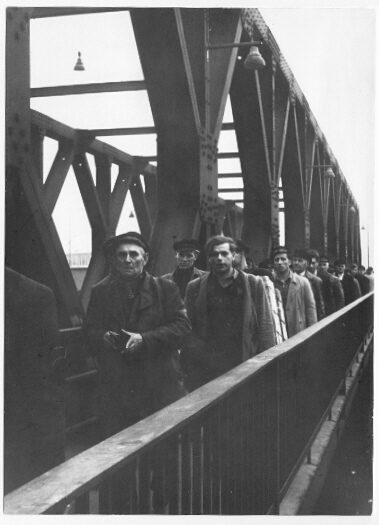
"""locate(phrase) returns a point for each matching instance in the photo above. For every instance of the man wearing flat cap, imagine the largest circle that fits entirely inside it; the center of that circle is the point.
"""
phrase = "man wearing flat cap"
(135, 323)
(187, 252)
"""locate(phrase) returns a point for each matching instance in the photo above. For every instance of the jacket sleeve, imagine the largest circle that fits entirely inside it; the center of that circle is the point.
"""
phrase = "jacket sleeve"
(356, 289)
(309, 304)
(266, 332)
(319, 301)
(175, 324)
(338, 293)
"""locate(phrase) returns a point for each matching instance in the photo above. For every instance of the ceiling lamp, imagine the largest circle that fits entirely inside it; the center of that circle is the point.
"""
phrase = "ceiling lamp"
(254, 59)
(79, 64)
(330, 173)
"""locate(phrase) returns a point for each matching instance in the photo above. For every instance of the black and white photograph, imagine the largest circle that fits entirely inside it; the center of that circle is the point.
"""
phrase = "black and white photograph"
(189, 258)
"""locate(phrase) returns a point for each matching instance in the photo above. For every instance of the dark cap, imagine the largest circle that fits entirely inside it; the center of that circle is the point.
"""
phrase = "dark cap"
(324, 258)
(339, 261)
(279, 249)
(301, 254)
(186, 244)
(242, 247)
(111, 244)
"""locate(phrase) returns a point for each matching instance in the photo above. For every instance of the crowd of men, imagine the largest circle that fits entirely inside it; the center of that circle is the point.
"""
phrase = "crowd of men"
(157, 338)
(154, 339)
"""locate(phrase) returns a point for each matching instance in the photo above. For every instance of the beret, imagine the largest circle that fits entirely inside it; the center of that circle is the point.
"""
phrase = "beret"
(132, 237)
(339, 261)
(302, 254)
(279, 249)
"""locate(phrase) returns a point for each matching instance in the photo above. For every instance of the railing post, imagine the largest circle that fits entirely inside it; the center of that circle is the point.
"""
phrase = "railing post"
(277, 459)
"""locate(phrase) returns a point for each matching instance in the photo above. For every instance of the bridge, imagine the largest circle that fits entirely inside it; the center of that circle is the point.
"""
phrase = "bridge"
(270, 409)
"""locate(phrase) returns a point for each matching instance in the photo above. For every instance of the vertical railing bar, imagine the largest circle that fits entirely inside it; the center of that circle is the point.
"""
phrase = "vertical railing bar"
(278, 439)
(191, 473)
(180, 479)
(202, 469)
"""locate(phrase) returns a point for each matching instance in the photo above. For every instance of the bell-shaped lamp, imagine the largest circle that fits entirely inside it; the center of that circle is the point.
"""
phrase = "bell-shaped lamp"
(79, 64)
(254, 59)
(330, 173)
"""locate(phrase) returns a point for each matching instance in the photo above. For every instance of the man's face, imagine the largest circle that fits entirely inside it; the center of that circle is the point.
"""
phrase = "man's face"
(340, 268)
(129, 259)
(299, 264)
(281, 263)
(324, 266)
(354, 269)
(221, 259)
(186, 259)
(313, 265)
(361, 271)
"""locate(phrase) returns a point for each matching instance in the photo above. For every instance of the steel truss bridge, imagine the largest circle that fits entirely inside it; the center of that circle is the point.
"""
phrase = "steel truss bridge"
(189, 73)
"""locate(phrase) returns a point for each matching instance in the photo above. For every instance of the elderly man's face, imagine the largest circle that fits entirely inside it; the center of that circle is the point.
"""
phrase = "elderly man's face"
(186, 259)
(129, 259)
(221, 259)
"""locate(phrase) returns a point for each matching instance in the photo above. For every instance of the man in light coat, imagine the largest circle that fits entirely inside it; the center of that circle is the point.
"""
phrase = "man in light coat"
(230, 316)
(300, 263)
(298, 300)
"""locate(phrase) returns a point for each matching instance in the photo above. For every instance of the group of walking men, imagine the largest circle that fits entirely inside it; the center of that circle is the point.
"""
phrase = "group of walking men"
(157, 338)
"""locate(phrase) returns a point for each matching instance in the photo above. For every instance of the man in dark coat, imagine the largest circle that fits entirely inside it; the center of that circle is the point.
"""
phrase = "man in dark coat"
(300, 262)
(358, 272)
(34, 419)
(230, 315)
(135, 323)
(187, 252)
(350, 285)
(331, 285)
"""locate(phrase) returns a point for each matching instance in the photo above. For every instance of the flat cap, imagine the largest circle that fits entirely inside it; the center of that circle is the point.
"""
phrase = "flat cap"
(302, 254)
(111, 244)
(339, 261)
(279, 249)
(324, 258)
(186, 244)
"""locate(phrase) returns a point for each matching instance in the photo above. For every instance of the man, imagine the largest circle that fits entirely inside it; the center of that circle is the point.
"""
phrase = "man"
(350, 285)
(300, 263)
(187, 252)
(358, 272)
(370, 276)
(230, 316)
(297, 296)
(34, 418)
(135, 323)
(331, 286)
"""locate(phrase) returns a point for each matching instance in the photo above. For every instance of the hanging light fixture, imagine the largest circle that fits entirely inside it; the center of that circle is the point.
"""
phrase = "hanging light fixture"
(79, 64)
(254, 60)
(330, 173)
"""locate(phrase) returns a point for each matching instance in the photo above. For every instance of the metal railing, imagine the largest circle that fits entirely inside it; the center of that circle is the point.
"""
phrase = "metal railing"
(230, 447)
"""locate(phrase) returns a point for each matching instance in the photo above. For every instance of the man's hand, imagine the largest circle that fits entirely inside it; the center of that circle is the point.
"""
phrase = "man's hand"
(133, 344)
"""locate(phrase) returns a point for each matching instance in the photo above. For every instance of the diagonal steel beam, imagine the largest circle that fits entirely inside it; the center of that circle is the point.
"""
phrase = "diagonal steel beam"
(80, 89)
(57, 174)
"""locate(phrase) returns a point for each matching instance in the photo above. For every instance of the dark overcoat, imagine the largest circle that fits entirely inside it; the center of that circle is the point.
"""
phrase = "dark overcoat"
(131, 387)
(34, 420)
(332, 291)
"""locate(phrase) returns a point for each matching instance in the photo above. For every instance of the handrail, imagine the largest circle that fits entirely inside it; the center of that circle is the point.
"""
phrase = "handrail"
(86, 471)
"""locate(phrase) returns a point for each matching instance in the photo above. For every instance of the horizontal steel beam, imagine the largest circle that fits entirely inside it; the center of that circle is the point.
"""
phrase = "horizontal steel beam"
(230, 155)
(58, 131)
(146, 130)
(109, 132)
(45, 12)
(229, 175)
(229, 190)
(81, 89)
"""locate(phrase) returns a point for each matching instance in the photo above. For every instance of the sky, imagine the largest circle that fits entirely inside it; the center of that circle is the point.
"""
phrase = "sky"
(330, 51)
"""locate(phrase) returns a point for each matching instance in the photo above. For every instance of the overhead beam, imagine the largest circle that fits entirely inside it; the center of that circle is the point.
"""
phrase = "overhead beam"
(46, 12)
(81, 89)
(142, 130)
(229, 175)
(230, 190)
(59, 131)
